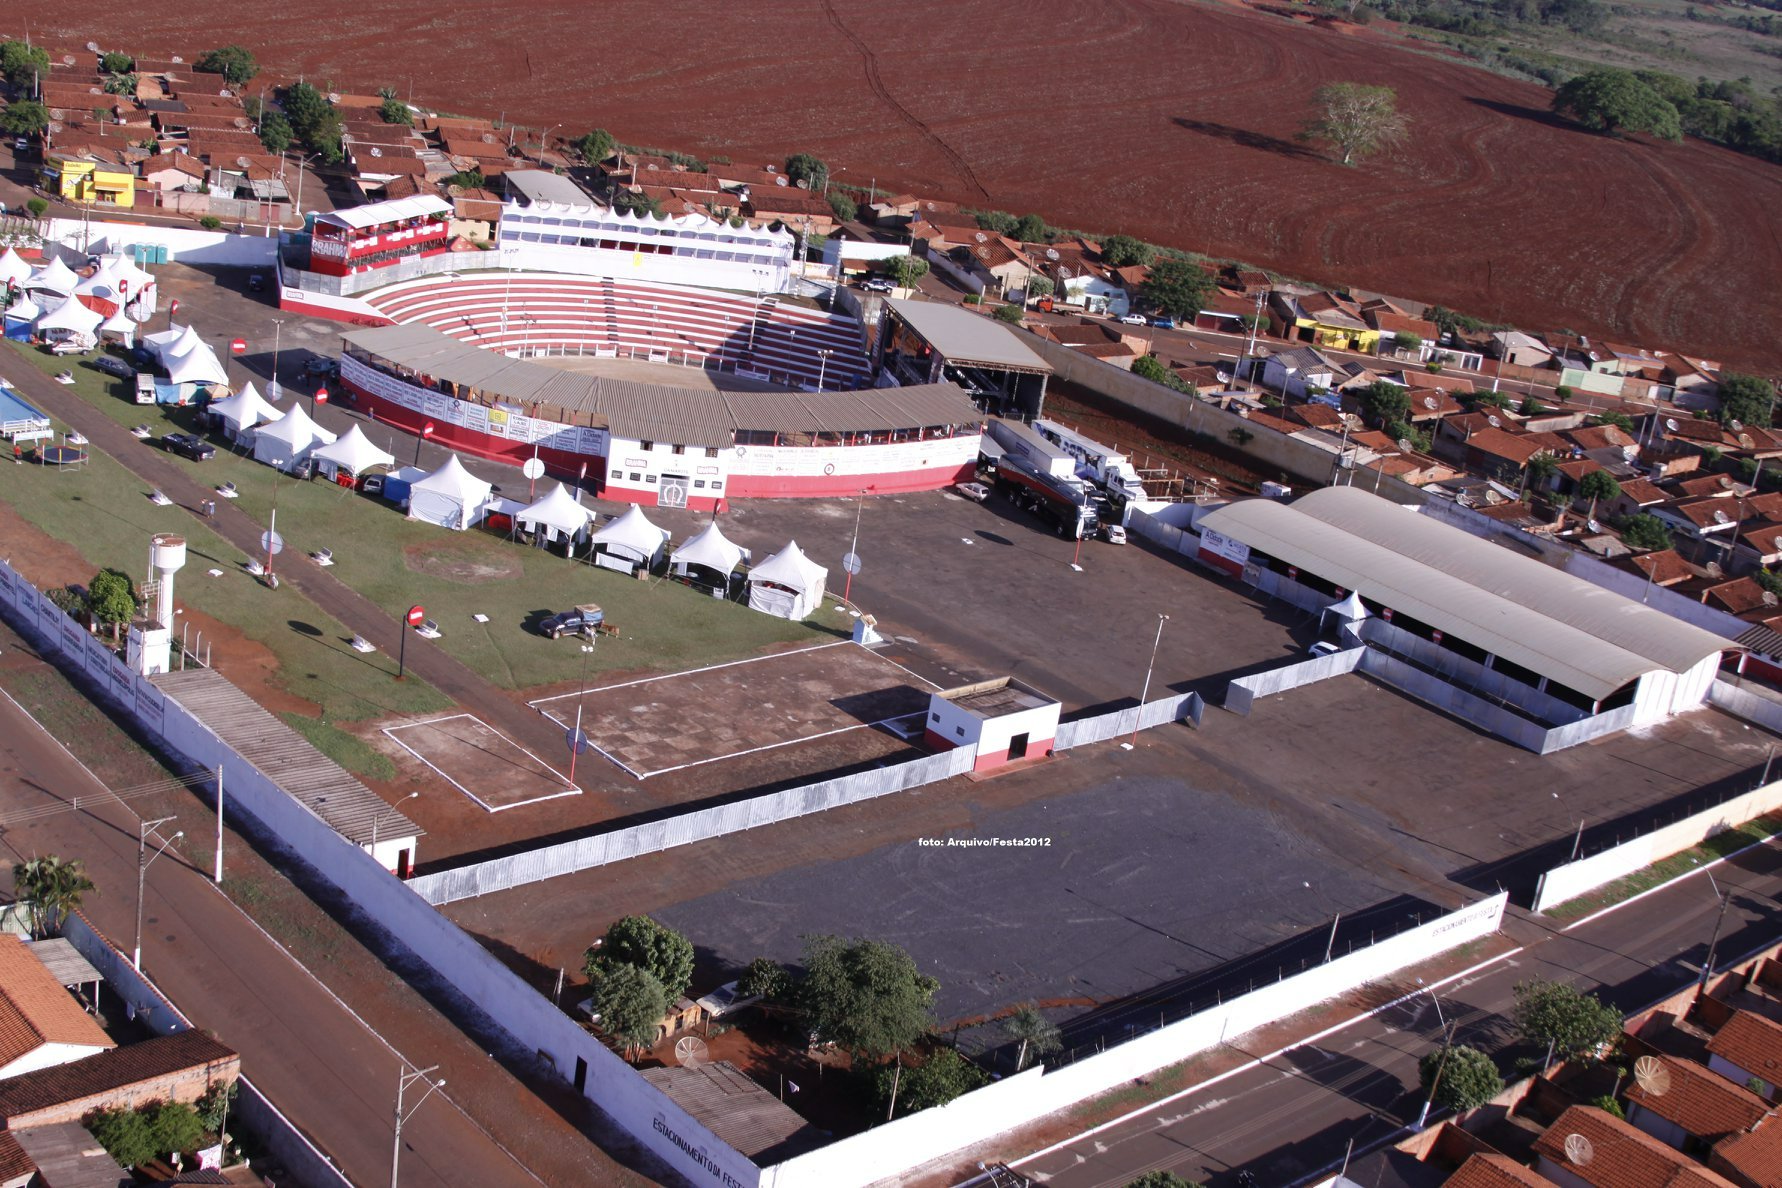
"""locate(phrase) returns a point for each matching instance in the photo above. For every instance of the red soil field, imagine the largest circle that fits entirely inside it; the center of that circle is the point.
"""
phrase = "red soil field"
(1169, 120)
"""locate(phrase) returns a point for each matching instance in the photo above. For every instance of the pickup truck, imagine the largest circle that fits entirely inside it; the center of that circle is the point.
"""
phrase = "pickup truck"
(584, 620)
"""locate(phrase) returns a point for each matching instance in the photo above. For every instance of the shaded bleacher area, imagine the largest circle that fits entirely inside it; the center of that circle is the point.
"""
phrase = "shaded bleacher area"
(762, 338)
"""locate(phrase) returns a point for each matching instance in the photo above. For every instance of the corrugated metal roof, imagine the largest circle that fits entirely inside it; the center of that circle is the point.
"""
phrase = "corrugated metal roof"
(967, 338)
(736, 1109)
(1587, 638)
(650, 412)
(371, 215)
(541, 185)
(286, 757)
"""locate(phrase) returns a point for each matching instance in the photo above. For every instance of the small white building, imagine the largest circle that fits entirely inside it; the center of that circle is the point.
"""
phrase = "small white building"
(1005, 719)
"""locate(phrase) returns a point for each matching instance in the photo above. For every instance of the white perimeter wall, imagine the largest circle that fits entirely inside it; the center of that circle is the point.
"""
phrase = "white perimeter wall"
(823, 461)
(184, 245)
(980, 1115)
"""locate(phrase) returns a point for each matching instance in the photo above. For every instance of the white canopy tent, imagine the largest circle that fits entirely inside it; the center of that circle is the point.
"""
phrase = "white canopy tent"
(788, 584)
(137, 286)
(54, 277)
(242, 411)
(451, 497)
(70, 319)
(103, 284)
(13, 269)
(162, 342)
(709, 550)
(557, 514)
(23, 310)
(199, 365)
(629, 541)
(119, 326)
(353, 452)
(289, 440)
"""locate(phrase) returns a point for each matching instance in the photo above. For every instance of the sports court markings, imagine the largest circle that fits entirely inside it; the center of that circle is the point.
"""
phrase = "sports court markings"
(539, 766)
(669, 676)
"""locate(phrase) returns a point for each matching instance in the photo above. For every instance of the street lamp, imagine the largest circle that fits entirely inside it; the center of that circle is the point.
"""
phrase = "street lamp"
(822, 367)
(278, 326)
(1714, 939)
(143, 859)
(403, 1080)
(1441, 1067)
(303, 159)
(1146, 692)
(1577, 842)
(385, 816)
(575, 736)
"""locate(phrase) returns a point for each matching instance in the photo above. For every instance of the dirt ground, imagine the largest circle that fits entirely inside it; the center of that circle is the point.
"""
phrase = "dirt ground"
(1495, 207)
(481, 762)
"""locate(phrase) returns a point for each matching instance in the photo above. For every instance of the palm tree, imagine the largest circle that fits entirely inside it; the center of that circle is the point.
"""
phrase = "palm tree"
(1034, 1031)
(49, 887)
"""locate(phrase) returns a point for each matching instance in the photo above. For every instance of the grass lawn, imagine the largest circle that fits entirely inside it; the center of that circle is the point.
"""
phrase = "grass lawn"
(454, 575)
(1677, 865)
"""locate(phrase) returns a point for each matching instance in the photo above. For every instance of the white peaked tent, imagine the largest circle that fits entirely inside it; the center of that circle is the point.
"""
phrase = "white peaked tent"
(242, 411)
(289, 440)
(54, 277)
(557, 514)
(103, 284)
(162, 342)
(630, 540)
(119, 326)
(451, 497)
(136, 286)
(711, 550)
(787, 584)
(354, 453)
(23, 310)
(13, 269)
(199, 365)
(70, 318)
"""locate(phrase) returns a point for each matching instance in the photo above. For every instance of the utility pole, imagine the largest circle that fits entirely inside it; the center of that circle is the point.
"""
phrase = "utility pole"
(1149, 668)
(403, 1081)
(1441, 1067)
(219, 871)
(143, 860)
(1714, 939)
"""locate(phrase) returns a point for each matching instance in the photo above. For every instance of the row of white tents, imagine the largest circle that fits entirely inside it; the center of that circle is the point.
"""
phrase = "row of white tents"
(49, 298)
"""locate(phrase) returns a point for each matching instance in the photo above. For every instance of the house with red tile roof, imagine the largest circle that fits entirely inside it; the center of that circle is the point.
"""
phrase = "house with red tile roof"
(1590, 1148)
(1685, 1102)
(41, 1023)
(1748, 1047)
(1491, 1170)
(1754, 1159)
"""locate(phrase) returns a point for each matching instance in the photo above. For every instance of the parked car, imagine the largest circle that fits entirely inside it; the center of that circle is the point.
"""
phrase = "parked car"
(583, 620)
(187, 445)
(725, 1000)
(1135, 320)
(1323, 648)
(256, 282)
(976, 492)
(111, 365)
(878, 284)
(1165, 323)
(1113, 533)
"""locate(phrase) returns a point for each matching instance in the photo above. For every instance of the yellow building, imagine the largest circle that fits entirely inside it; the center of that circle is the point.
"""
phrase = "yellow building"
(91, 183)
(1323, 319)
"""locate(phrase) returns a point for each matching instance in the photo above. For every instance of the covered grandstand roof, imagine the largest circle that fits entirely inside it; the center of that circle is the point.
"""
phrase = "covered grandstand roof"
(968, 338)
(377, 213)
(649, 412)
(1587, 638)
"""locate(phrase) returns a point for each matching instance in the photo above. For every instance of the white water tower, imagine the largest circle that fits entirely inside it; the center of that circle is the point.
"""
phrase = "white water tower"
(151, 637)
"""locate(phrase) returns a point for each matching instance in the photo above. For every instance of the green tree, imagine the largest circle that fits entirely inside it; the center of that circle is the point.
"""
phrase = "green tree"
(1645, 532)
(120, 84)
(1612, 100)
(1469, 1078)
(641, 941)
(945, 1076)
(24, 117)
(1574, 1023)
(865, 996)
(22, 63)
(1384, 402)
(395, 111)
(1356, 119)
(116, 63)
(214, 1106)
(1597, 486)
(803, 167)
(1010, 313)
(1030, 228)
(469, 179)
(596, 146)
(111, 598)
(999, 221)
(49, 887)
(1123, 251)
(313, 119)
(1036, 1034)
(1163, 1179)
(1538, 471)
(124, 1134)
(1620, 420)
(631, 1004)
(1532, 407)
(1748, 399)
(232, 62)
(1178, 288)
(1151, 367)
(764, 978)
(1039, 286)
(843, 207)
(173, 1126)
(636, 203)
(275, 133)
(907, 270)
(1404, 340)
(37, 206)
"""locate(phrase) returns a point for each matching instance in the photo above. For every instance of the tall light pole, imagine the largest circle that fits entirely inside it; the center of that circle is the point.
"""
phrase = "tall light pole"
(278, 326)
(1714, 939)
(143, 859)
(822, 367)
(575, 735)
(1436, 1082)
(377, 821)
(1146, 692)
(403, 1080)
(1578, 841)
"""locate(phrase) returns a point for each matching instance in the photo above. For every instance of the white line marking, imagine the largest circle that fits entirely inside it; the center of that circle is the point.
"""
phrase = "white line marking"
(568, 789)
(1600, 912)
(668, 676)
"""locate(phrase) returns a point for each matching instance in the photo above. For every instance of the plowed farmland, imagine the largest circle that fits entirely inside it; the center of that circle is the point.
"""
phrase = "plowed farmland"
(1171, 121)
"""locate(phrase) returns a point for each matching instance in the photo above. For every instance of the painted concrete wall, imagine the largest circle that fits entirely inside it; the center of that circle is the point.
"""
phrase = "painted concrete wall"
(185, 245)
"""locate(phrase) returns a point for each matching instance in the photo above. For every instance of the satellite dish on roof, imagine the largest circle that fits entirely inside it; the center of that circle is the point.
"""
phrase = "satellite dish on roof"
(1491, 419)
(225, 93)
(92, 47)
(454, 190)
(1745, 441)
(690, 1051)
(243, 162)
(55, 127)
(1593, 525)
(1713, 569)
(804, 183)
(176, 58)
(57, 113)
(1720, 517)
(488, 138)
(1735, 425)
(67, 59)
(376, 151)
(980, 237)
(1579, 1149)
(1770, 599)
(1404, 443)
(1430, 402)
(772, 168)
(1670, 423)
(779, 181)
(243, 122)
(1051, 253)
(334, 96)
(95, 90)
(1651, 1075)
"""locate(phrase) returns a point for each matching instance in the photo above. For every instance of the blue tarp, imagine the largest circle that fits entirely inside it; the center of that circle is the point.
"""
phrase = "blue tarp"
(171, 393)
(18, 329)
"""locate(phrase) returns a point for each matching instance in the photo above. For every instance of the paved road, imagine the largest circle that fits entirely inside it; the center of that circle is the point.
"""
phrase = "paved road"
(327, 1070)
(1294, 1114)
(356, 612)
